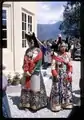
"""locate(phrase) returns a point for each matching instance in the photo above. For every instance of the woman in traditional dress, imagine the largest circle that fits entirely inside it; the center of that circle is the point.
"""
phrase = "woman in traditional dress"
(61, 91)
(33, 94)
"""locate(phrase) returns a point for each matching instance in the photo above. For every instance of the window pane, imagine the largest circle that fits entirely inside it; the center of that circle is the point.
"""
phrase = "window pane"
(23, 26)
(23, 35)
(4, 24)
(23, 16)
(30, 19)
(30, 28)
(4, 43)
(4, 33)
(3, 14)
(25, 43)
(22, 43)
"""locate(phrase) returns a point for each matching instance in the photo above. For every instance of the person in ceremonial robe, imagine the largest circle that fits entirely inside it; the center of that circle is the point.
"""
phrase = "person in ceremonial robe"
(61, 90)
(33, 93)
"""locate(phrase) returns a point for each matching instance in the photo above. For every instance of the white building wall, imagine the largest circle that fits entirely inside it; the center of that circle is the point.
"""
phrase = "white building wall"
(13, 57)
(19, 51)
(7, 53)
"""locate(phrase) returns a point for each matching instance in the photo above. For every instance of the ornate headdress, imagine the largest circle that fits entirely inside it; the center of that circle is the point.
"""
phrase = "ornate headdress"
(63, 44)
(31, 37)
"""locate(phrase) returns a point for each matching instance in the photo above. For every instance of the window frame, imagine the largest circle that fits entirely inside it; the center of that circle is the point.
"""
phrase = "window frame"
(5, 29)
(8, 29)
(26, 30)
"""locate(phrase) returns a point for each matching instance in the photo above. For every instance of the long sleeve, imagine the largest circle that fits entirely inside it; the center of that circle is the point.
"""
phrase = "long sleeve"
(44, 49)
(53, 69)
(70, 68)
(69, 65)
(25, 66)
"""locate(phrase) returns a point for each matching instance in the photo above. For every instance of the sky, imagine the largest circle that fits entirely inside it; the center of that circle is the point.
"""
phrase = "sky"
(50, 12)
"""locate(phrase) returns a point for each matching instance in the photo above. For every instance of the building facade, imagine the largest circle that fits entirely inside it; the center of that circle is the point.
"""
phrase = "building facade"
(17, 18)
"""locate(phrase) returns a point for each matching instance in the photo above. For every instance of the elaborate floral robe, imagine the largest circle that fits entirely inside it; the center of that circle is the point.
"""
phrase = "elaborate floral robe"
(31, 97)
(61, 92)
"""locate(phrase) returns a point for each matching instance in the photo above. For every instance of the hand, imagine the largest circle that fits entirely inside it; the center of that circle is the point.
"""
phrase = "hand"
(66, 62)
(28, 73)
(69, 74)
(57, 76)
(32, 72)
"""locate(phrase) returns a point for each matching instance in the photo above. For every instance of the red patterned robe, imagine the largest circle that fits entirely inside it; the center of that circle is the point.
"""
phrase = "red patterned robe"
(29, 65)
(34, 96)
(69, 65)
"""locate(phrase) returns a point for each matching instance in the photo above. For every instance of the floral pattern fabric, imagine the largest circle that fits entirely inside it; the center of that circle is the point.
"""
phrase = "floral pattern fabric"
(61, 90)
(29, 98)
(34, 100)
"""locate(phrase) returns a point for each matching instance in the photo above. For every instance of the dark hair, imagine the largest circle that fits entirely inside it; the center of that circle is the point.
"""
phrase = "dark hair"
(36, 44)
(31, 37)
(59, 40)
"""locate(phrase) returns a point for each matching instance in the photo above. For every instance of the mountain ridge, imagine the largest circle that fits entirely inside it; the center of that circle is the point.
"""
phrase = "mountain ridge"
(48, 31)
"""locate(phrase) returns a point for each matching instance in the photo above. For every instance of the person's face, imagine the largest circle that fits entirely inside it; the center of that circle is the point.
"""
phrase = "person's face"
(30, 54)
(31, 43)
(62, 49)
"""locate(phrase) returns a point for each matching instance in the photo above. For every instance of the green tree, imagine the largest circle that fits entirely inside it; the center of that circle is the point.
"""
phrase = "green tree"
(71, 19)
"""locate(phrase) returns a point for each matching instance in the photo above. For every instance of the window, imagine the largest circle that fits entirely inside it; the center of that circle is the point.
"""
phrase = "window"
(24, 22)
(29, 23)
(26, 27)
(4, 28)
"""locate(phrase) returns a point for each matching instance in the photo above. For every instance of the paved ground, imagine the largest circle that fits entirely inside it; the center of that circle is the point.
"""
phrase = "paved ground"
(13, 93)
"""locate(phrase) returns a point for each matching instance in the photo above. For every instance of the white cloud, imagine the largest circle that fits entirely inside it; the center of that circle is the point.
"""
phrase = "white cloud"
(49, 13)
(52, 21)
(45, 7)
